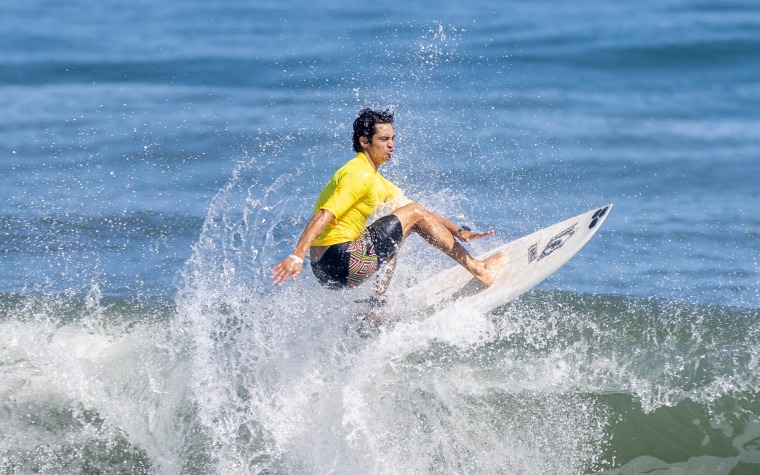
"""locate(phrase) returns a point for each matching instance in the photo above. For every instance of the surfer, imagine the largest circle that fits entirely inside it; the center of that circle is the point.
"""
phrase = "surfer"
(343, 251)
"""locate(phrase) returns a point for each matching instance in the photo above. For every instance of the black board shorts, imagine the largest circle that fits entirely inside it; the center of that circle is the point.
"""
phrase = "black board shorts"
(349, 264)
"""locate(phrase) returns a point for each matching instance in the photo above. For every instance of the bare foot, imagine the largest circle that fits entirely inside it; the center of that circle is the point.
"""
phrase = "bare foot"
(491, 266)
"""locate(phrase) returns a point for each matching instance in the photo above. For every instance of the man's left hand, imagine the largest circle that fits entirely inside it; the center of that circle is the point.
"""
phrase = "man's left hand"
(467, 235)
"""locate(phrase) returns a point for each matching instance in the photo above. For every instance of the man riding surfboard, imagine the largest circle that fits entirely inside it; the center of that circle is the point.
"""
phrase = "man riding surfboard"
(343, 251)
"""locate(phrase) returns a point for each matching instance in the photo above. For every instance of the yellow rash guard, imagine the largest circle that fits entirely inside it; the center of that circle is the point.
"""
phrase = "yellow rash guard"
(352, 195)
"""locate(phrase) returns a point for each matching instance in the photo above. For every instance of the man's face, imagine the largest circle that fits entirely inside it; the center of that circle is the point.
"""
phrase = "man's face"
(380, 150)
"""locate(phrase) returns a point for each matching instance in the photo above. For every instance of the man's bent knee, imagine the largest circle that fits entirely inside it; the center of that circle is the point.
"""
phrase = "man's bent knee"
(410, 215)
(410, 208)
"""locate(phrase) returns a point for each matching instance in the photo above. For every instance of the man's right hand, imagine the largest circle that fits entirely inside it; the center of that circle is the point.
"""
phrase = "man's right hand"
(290, 267)
(287, 268)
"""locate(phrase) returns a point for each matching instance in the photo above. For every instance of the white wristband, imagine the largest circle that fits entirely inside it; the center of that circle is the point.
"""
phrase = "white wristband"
(296, 258)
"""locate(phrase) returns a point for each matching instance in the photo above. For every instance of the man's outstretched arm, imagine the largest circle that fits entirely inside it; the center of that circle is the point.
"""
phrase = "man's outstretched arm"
(291, 266)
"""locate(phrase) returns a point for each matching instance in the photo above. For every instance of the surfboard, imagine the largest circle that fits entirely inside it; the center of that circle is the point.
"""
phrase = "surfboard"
(527, 262)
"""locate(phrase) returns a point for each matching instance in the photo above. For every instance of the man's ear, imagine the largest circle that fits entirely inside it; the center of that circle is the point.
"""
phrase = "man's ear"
(364, 141)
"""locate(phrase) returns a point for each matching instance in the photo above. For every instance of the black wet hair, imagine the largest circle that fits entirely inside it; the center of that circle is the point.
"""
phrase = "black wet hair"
(364, 125)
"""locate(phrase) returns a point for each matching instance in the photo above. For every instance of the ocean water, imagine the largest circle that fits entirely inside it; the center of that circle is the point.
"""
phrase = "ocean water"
(157, 158)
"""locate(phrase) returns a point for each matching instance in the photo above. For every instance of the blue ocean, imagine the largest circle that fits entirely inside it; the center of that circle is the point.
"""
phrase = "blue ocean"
(158, 158)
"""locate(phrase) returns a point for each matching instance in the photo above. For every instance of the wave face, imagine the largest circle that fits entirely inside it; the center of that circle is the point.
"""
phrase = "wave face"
(234, 382)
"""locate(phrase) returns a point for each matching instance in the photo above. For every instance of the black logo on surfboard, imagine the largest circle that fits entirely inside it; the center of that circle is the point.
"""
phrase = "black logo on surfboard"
(554, 243)
(595, 218)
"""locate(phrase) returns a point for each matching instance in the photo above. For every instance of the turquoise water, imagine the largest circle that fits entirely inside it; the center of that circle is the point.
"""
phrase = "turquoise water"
(157, 160)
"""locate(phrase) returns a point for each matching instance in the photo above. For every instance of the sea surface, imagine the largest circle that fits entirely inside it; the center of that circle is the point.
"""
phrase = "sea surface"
(158, 158)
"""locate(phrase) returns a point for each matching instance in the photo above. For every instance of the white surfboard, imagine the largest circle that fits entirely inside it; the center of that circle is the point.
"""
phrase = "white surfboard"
(528, 261)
